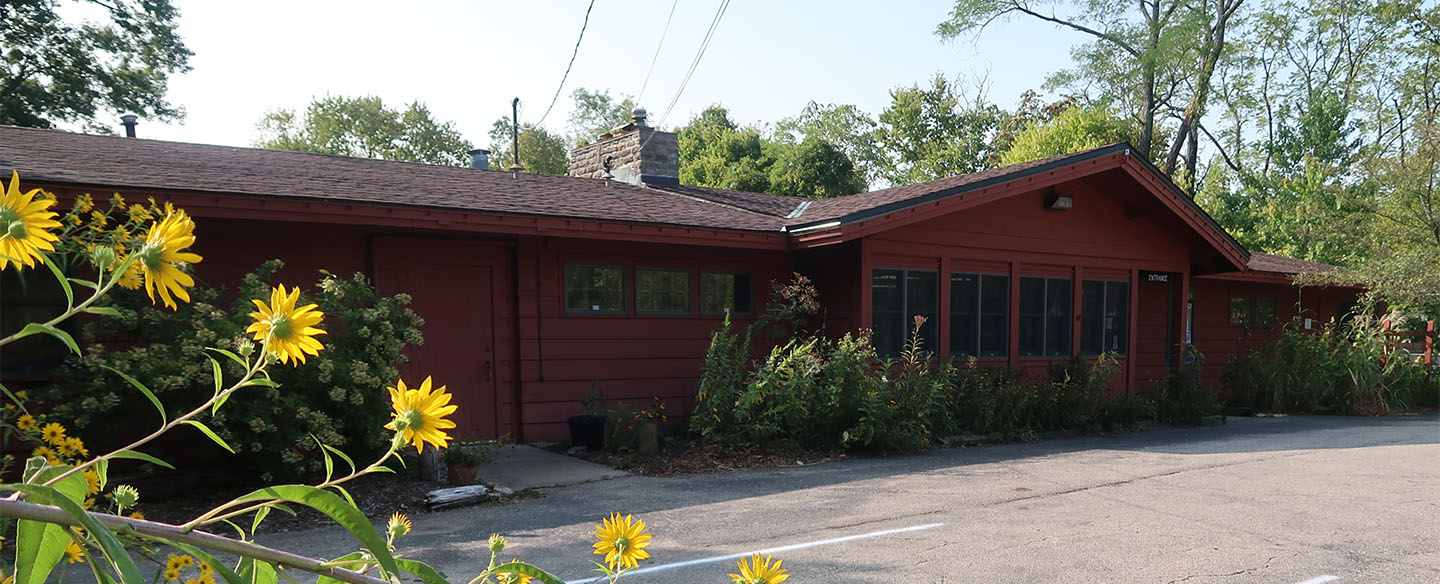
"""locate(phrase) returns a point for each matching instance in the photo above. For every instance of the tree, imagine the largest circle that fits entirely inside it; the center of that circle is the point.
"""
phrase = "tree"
(56, 72)
(597, 112)
(932, 133)
(714, 152)
(541, 151)
(364, 127)
(845, 127)
(1076, 128)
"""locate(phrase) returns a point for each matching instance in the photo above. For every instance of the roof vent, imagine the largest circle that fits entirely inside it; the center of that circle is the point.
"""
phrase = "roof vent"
(480, 159)
(639, 116)
(129, 120)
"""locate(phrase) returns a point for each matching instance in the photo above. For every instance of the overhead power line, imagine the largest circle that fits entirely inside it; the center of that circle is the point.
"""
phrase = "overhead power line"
(657, 51)
(583, 25)
(719, 14)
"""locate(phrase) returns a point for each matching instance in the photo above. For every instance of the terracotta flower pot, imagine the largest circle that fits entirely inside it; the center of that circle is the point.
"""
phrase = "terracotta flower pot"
(461, 475)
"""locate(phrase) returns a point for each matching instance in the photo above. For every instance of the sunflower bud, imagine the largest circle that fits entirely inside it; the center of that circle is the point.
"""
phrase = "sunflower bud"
(497, 543)
(398, 526)
(104, 257)
(126, 496)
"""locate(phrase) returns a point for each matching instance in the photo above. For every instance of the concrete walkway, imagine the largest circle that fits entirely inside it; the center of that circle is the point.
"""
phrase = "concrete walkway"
(521, 466)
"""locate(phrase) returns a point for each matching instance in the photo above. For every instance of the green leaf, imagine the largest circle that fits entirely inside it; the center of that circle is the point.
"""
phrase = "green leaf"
(422, 571)
(38, 548)
(85, 283)
(334, 507)
(263, 573)
(527, 569)
(342, 456)
(133, 455)
(36, 328)
(66, 497)
(329, 464)
(259, 516)
(208, 432)
(219, 380)
(33, 465)
(102, 471)
(103, 311)
(231, 355)
(64, 282)
(145, 390)
(13, 399)
(343, 561)
(261, 382)
(344, 492)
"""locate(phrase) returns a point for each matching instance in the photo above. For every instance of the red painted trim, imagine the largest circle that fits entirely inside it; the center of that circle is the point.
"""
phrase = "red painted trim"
(1134, 326)
(1076, 288)
(1013, 351)
(942, 328)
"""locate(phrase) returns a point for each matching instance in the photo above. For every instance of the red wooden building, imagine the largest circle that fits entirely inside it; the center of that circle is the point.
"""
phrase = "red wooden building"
(534, 287)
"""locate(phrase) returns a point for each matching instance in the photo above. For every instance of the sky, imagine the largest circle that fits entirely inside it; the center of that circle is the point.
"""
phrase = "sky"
(467, 60)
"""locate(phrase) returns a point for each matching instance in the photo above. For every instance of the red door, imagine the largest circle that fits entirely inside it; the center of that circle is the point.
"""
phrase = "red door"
(459, 289)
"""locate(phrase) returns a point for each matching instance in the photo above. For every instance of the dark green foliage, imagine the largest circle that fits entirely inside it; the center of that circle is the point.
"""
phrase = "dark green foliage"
(58, 71)
(1183, 398)
(1352, 368)
(714, 152)
(338, 397)
(909, 404)
(365, 127)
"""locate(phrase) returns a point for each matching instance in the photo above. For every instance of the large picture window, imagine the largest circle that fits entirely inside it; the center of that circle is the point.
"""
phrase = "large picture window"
(979, 315)
(726, 292)
(1104, 316)
(595, 289)
(662, 291)
(897, 296)
(1044, 317)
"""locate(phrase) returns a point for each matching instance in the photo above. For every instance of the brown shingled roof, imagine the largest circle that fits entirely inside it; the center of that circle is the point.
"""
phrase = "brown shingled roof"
(108, 161)
(1265, 262)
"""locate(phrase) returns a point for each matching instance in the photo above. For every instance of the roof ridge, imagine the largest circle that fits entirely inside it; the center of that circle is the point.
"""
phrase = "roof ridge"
(710, 201)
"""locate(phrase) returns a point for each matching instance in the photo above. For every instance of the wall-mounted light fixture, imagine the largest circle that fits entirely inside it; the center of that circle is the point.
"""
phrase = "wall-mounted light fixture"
(1058, 202)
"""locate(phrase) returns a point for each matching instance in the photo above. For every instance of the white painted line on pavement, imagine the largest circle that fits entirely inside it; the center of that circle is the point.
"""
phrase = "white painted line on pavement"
(770, 551)
(1321, 580)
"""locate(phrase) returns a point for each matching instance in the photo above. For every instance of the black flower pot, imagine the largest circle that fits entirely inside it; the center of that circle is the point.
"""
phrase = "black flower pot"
(587, 430)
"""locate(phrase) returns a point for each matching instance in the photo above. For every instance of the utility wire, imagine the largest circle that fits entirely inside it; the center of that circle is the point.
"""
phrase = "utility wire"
(567, 67)
(657, 51)
(719, 13)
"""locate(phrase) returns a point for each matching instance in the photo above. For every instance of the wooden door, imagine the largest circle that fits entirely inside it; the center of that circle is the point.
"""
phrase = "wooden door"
(459, 288)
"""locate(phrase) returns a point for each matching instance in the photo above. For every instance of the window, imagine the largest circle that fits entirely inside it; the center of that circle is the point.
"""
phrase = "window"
(1044, 317)
(979, 315)
(662, 291)
(595, 289)
(1253, 311)
(726, 292)
(1265, 311)
(1104, 316)
(897, 296)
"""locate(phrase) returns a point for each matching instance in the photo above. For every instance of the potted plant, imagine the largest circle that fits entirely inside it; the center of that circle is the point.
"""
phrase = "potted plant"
(588, 430)
(462, 464)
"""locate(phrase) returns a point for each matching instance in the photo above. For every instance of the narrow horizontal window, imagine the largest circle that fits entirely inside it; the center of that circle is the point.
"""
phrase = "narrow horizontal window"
(594, 289)
(662, 291)
(726, 293)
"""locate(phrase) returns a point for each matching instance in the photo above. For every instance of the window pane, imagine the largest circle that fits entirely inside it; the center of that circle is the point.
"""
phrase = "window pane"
(1117, 316)
(887, 310)
(722, 292)
(995, 316)
(885, 291)
(1057, 323)
(1032, 316)
(594, 288)
(1092, 317)
(889, 333)
(1240, 310)
(1265, 309)
(922, 291)
(662, 290)
(964, 314)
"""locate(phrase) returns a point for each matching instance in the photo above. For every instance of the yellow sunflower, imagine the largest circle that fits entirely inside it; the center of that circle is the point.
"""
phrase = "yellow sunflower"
(172, 573)
(53, 434)
(622, 541)
(23, 224)
(419, 414)
(759, 570)
(25, 423)
(47, 453)
(163, 249)
(76, 445)
(287, 332)
(398, 526)
(74, 553)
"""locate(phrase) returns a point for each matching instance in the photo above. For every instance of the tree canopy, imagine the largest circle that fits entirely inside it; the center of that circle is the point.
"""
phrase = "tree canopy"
(363, 126)
(55, 71)
(541, 151)
(597, 112)
(715, 152)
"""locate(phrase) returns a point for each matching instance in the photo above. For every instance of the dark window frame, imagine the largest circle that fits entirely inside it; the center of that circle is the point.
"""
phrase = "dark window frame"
(624, 289)
(689, 295)
(1065, 349)
(1252, 311)
(1123, 330)
(931, 337)
(980, 314)
(747, 312)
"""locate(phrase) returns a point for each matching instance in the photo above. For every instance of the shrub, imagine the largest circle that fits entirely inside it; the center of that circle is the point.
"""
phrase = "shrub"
(902, 413)
(339, 398)
(1183, 398)
(723, 378)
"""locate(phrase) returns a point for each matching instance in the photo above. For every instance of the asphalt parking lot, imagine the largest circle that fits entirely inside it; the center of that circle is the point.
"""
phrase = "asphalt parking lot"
(1297, 500)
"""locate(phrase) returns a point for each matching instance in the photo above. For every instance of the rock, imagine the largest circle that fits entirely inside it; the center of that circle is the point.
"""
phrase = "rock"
(452, 497)
(965, 440)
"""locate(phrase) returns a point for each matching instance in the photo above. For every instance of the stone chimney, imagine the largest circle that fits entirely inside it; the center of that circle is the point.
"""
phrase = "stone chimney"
(635, 154)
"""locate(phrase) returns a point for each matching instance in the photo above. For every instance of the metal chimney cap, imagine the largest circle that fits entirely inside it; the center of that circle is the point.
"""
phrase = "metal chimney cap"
(129, 118)
(479, 151)
(639, 116)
